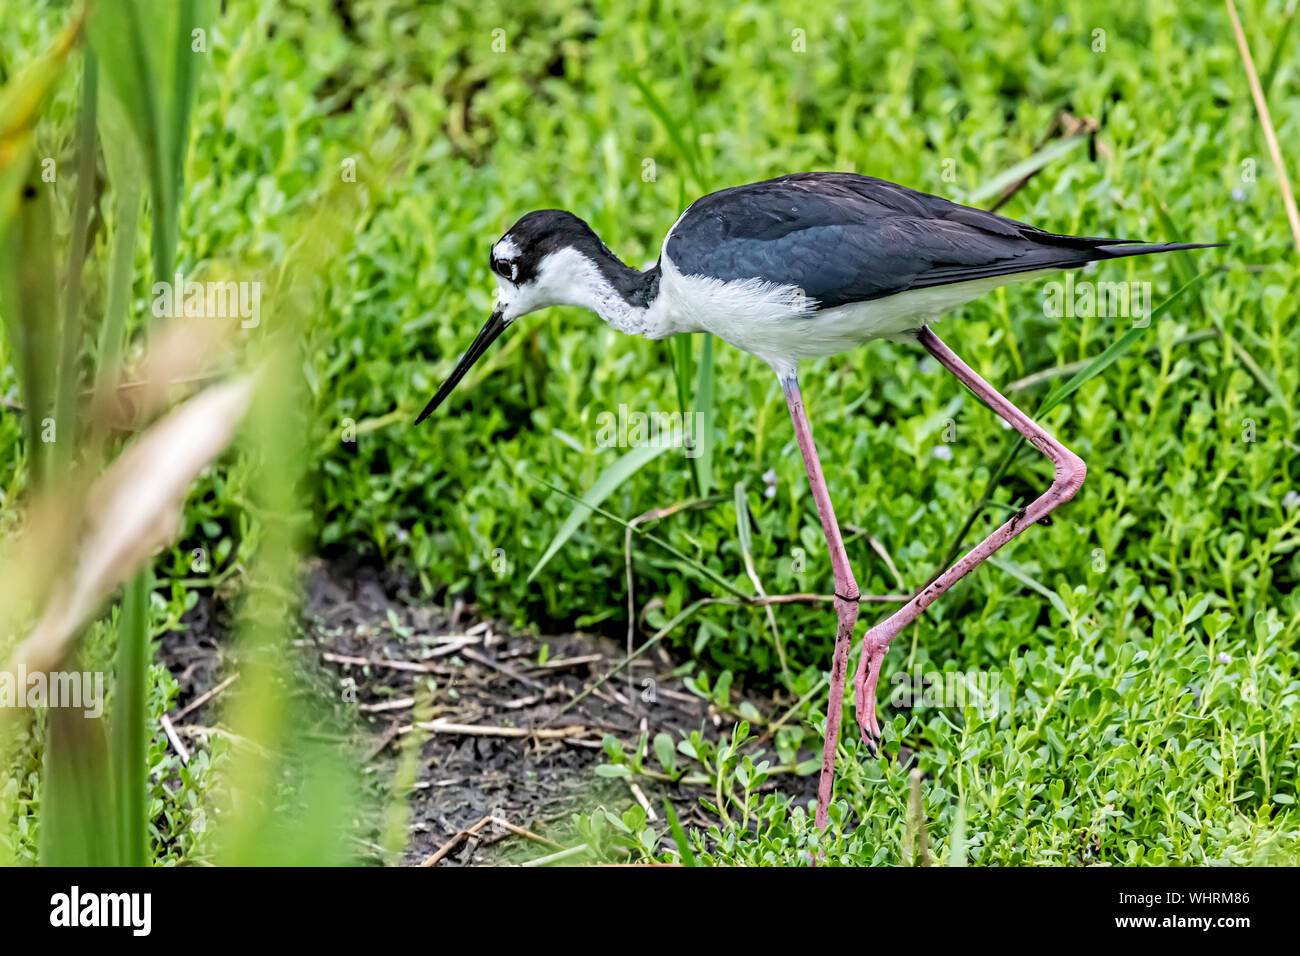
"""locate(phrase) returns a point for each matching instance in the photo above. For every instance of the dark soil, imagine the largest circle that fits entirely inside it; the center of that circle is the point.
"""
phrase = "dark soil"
(386, 650)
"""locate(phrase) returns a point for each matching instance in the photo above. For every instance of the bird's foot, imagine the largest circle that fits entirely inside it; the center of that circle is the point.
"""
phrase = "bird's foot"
(864, 685)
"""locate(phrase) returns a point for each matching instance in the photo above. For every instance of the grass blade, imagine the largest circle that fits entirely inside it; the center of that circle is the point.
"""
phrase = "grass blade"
(609, 480)
(125, 175)
(87, 151)
(32, 302)
(1265, 123)
(27, 296)
(1113, 351)
(130, 761)
(747, 553)
(679, 836)
(916, 834)
(687, 142)
(670, 126)
(295, 804)
(654, 539)
(132, 75)
(957, 838)
(182, 91)
(1279, 46)
(683, 371)
(692, 107)
(117, 300)
(21, 103)
(1183, 267)
(742, 525)
(1044, 592)
(683, 375)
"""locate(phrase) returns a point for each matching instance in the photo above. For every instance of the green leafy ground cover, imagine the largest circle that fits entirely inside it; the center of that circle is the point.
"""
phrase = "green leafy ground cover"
(1148, 674)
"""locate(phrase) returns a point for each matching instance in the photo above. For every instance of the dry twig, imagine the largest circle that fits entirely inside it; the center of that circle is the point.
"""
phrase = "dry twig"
(170, 730)
(451, 844)
(203, 698)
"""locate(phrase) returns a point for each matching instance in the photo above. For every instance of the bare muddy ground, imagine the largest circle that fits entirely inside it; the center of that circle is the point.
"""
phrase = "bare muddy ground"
(502, 734)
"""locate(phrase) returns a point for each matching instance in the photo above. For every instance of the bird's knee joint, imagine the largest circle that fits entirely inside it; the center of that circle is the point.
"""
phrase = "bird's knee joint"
(1070, 473)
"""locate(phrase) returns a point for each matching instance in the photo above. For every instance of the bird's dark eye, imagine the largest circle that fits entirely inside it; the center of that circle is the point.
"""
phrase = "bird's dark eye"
(502, 268)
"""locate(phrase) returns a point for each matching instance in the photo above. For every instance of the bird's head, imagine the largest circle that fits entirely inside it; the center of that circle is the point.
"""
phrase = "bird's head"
(542, 260)
(549, 257)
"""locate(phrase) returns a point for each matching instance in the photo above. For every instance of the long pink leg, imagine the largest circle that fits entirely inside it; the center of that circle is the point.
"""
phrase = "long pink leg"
(1070, 471)
(846, 594)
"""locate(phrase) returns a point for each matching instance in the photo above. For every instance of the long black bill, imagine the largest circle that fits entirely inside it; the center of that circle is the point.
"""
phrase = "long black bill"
(486, 336)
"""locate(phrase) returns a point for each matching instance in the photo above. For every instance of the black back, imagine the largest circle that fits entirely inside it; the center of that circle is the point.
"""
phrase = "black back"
(843, 238)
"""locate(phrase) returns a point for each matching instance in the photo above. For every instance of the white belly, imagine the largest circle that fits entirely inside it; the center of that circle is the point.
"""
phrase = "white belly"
(772, 322)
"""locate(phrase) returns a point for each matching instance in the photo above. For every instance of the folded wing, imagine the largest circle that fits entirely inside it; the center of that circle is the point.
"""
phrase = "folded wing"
(845, 238)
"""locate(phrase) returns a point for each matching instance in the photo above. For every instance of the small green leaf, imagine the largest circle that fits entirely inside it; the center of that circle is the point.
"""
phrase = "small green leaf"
(722, 689)
(1196, 607)
(663, 745)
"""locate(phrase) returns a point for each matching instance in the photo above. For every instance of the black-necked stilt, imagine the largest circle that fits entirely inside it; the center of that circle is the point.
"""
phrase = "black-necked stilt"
(808, 266)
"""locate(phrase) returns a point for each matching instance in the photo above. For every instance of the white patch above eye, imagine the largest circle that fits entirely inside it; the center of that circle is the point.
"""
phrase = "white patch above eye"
(505, 249)
(505, 252)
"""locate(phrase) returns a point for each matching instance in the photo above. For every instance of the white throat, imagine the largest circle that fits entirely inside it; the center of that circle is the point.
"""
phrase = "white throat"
(578, 281)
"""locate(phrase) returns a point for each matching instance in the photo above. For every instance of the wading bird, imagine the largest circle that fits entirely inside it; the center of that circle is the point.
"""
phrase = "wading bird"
(801, 267)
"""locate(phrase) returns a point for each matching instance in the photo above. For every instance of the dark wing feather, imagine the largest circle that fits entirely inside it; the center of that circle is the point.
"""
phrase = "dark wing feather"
(845, 238)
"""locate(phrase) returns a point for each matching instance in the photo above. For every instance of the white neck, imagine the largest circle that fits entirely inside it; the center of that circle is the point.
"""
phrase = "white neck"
(593, 291)
(572, 278)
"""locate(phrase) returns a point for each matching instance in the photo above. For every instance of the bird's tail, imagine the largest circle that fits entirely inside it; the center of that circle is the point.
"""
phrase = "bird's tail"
(1054, 252)
(1132, 247)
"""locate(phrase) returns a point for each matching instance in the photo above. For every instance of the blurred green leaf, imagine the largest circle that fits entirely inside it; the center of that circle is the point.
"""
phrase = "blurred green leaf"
(78, 814)
(130, 731)
(21, 103)
(1049, 153)
(154, 84)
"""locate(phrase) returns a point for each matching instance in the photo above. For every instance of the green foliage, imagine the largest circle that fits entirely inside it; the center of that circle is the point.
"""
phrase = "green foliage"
(1151, 708)
(93, 788)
